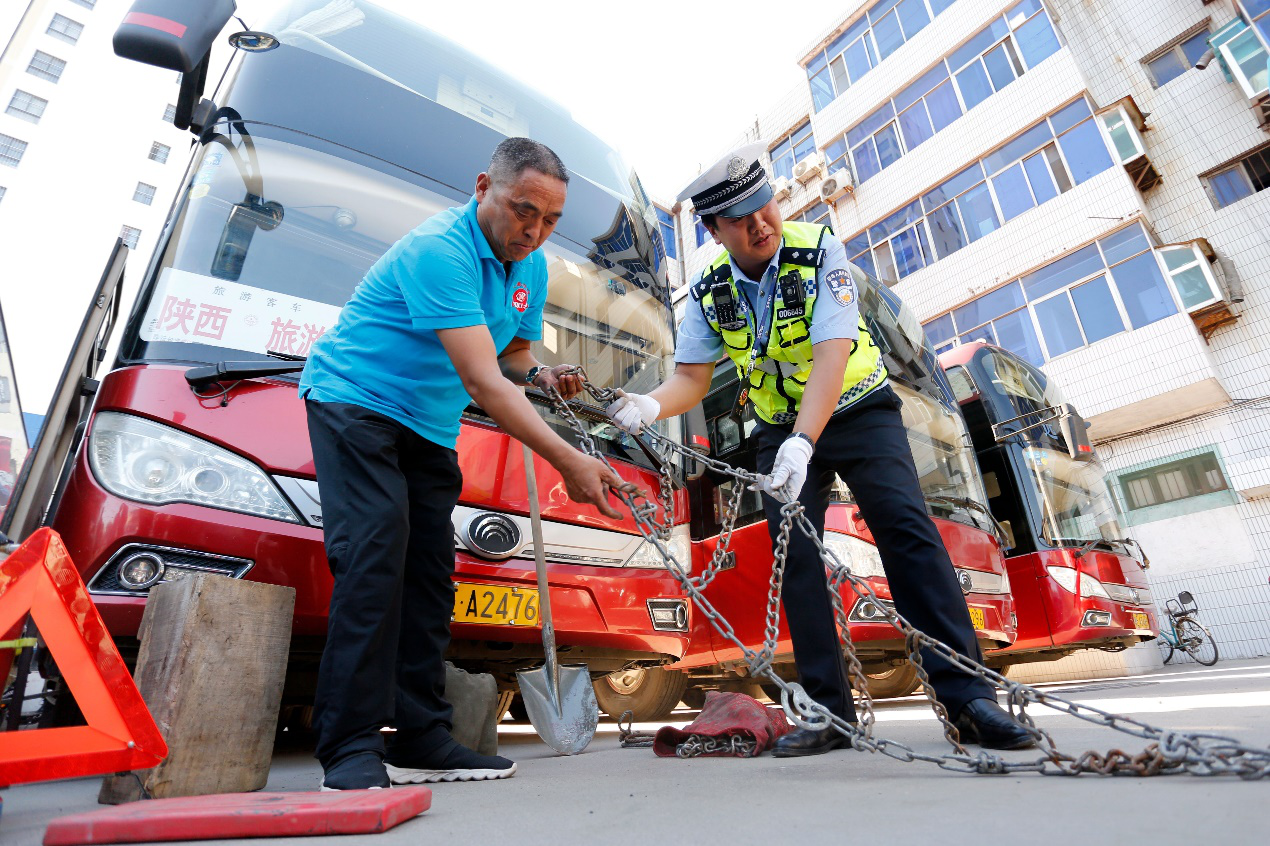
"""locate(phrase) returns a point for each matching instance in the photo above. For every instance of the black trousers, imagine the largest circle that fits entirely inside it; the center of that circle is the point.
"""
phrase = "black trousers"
(867, 446)
(387, 496)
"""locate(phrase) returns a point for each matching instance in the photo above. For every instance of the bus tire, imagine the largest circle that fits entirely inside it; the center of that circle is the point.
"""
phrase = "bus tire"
(897, 681)
(651, 693)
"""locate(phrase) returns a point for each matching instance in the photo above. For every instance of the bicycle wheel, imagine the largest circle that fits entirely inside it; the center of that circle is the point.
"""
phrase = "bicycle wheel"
(1198, 642)
(1165, 640)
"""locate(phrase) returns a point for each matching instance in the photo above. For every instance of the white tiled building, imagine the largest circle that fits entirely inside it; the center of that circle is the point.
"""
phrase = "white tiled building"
(1056, 176)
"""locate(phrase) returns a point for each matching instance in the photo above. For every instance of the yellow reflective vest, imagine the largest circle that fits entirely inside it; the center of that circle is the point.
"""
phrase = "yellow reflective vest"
(780, 371)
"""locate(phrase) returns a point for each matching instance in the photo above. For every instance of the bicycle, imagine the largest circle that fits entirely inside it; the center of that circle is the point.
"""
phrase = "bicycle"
(1184, 632)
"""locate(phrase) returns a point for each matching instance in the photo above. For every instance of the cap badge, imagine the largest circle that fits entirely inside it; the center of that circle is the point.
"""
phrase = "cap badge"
(737, 168)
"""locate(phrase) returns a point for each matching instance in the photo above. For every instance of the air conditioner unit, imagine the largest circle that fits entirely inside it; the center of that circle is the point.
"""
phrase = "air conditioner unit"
(836, 185)
(780, 187)
(808, 169)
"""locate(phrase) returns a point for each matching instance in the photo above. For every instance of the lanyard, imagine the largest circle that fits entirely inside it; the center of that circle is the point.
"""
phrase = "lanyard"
(760, 344)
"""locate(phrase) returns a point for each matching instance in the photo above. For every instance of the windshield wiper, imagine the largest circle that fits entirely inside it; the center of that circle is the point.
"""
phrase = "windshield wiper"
(972, 505)
(224, 371)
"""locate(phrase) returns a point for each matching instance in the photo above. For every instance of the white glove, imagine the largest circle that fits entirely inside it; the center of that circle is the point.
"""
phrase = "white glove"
(631, 411)
(790, 470)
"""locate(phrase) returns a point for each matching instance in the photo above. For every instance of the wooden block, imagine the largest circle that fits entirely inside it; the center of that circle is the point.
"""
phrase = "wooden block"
(212, 662)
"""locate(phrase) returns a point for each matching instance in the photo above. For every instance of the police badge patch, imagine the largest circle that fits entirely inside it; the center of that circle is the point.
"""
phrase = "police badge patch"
(840, 285)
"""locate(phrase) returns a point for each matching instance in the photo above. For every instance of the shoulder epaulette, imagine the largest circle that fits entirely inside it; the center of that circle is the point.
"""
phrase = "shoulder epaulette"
(805, 256)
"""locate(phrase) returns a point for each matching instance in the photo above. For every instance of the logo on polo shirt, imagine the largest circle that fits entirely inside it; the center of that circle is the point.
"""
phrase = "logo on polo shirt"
(520, 299)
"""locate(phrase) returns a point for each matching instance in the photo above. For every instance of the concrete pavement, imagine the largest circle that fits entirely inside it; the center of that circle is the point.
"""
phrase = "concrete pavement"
(611, 795)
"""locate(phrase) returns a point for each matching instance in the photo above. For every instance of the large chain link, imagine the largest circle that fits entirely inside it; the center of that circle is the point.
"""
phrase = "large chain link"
(1167, 752)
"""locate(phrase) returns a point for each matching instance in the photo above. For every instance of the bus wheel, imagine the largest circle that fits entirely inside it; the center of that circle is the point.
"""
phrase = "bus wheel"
(897, 681)
(651, 693)
(694, 697)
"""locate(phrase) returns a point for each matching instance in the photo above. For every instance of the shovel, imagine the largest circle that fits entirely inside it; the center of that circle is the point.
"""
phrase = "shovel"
(559, 699)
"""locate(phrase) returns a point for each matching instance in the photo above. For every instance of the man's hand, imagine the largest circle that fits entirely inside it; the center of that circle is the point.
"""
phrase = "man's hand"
(631, 411)
(560, 377)
(790, 470)
(588, 480)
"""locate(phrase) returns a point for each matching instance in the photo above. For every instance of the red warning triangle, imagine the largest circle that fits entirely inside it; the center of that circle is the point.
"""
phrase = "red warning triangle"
(121, 735)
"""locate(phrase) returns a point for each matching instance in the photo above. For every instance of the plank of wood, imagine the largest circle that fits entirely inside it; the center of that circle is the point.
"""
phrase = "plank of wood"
(211, 668)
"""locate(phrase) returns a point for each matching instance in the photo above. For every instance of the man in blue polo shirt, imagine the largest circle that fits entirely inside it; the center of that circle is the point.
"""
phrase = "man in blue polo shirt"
(444, 318)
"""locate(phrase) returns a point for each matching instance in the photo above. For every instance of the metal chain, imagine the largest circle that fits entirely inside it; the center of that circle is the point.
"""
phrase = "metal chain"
(731, 744)
(1168, 751)
(627, 737)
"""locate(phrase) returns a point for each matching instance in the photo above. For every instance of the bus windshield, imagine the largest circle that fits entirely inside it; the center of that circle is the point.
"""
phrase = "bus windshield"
(273, 236)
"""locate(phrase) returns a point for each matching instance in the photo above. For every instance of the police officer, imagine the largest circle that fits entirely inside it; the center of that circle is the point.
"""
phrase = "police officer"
(445, 317)
(781, 303)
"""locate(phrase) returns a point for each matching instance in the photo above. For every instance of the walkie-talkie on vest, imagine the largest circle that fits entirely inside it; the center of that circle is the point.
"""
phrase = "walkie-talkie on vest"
(724, 304)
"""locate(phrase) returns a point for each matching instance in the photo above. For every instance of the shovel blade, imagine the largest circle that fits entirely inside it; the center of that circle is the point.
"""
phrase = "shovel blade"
(564, 719)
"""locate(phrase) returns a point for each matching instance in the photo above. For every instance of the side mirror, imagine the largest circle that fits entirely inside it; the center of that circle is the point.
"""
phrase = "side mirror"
(1076, 434)
(172, 34)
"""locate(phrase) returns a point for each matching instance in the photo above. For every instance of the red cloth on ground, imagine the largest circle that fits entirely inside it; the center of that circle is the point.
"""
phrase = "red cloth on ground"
(724, 715)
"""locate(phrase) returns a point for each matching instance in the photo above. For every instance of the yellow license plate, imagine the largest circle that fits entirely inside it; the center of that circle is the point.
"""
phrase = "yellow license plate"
(1141, 621)
(977, 618)
(494, 605)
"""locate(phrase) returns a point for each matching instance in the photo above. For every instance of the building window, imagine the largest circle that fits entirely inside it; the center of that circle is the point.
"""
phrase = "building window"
(1257, 13)
(169, 114)
(703, 235)
(144, 193)
(1243, 178)
(66, 29)
(130, 235)
(800, 144)
(1113, 284)
(159, 152)
(992, 59)
(819, 213)
(11, 150)
(1195, 475)
(876, 35)
(26, 106)
(87, 4)
(1168, 64)
(666, 224)
(46, 66)
(1044, 161)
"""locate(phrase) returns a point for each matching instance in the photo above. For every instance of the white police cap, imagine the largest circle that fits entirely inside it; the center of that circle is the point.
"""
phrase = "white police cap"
(734, 186)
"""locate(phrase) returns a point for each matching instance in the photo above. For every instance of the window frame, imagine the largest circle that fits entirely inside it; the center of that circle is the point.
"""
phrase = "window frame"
(20, 113)
(155, 146)
(70, 30)
(12, 150)
(1238, 165)
(146, 190)
(1190, 465)
(789, 145)
(1174, 48)
(131, 236)
(43, 72)
(1237, 71)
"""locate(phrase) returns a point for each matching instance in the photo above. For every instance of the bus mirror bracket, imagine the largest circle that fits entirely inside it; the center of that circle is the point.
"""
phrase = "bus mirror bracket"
(1073, 427)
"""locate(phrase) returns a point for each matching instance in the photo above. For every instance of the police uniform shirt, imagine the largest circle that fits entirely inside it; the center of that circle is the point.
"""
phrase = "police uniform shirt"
(831, 319)
(384, 353)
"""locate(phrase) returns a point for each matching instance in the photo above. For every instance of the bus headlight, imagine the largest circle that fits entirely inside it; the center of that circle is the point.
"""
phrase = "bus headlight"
(1066, 578)
(142, 460)
(679, 545)
(859, 556)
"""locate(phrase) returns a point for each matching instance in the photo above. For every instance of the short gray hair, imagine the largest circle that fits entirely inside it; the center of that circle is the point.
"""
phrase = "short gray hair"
(514, 155)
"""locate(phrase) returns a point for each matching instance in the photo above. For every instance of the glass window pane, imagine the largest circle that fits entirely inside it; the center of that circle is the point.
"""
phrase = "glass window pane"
(1015, 333)
(913, 16)
(1121, 137)
(1061, 273)
(1097, 309)
(1167, 68)
(1038, 174)
(938, 6)
(866, 161)
(901, 219)
(1258, 165)
(821, 90)
(886, 31)
(1127, 242)
(884, 264)
(982, 40)
(917, 89)
(1256, 7)
(1230, 186)
(783, 166)
(977, 212)
(804, 148)
(974, 85)
(945, 230)
(1142, 290)
(954, 186)
(916, 126)
(864, 261)
(888, 142)
(871, 124)
(1013, 194)
(908, 253)
(1058, 325)
(1070, 115)
(857, 244)
(1085, 151)
(839, 71)
(999, 68)
(1195, 46)
(943, 106)
(857, 58)
(991, 305)
(940, 329)
(1192, 287)
(1036, 40)
(1018, 148)
(1057, 168)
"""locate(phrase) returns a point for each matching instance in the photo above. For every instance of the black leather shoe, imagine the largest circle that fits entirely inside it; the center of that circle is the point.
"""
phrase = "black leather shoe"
(986, 723)
(800, 742)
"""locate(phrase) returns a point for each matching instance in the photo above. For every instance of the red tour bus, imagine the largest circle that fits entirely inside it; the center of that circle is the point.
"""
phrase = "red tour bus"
(1078, 581)
(954, 496)
(329, 139)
